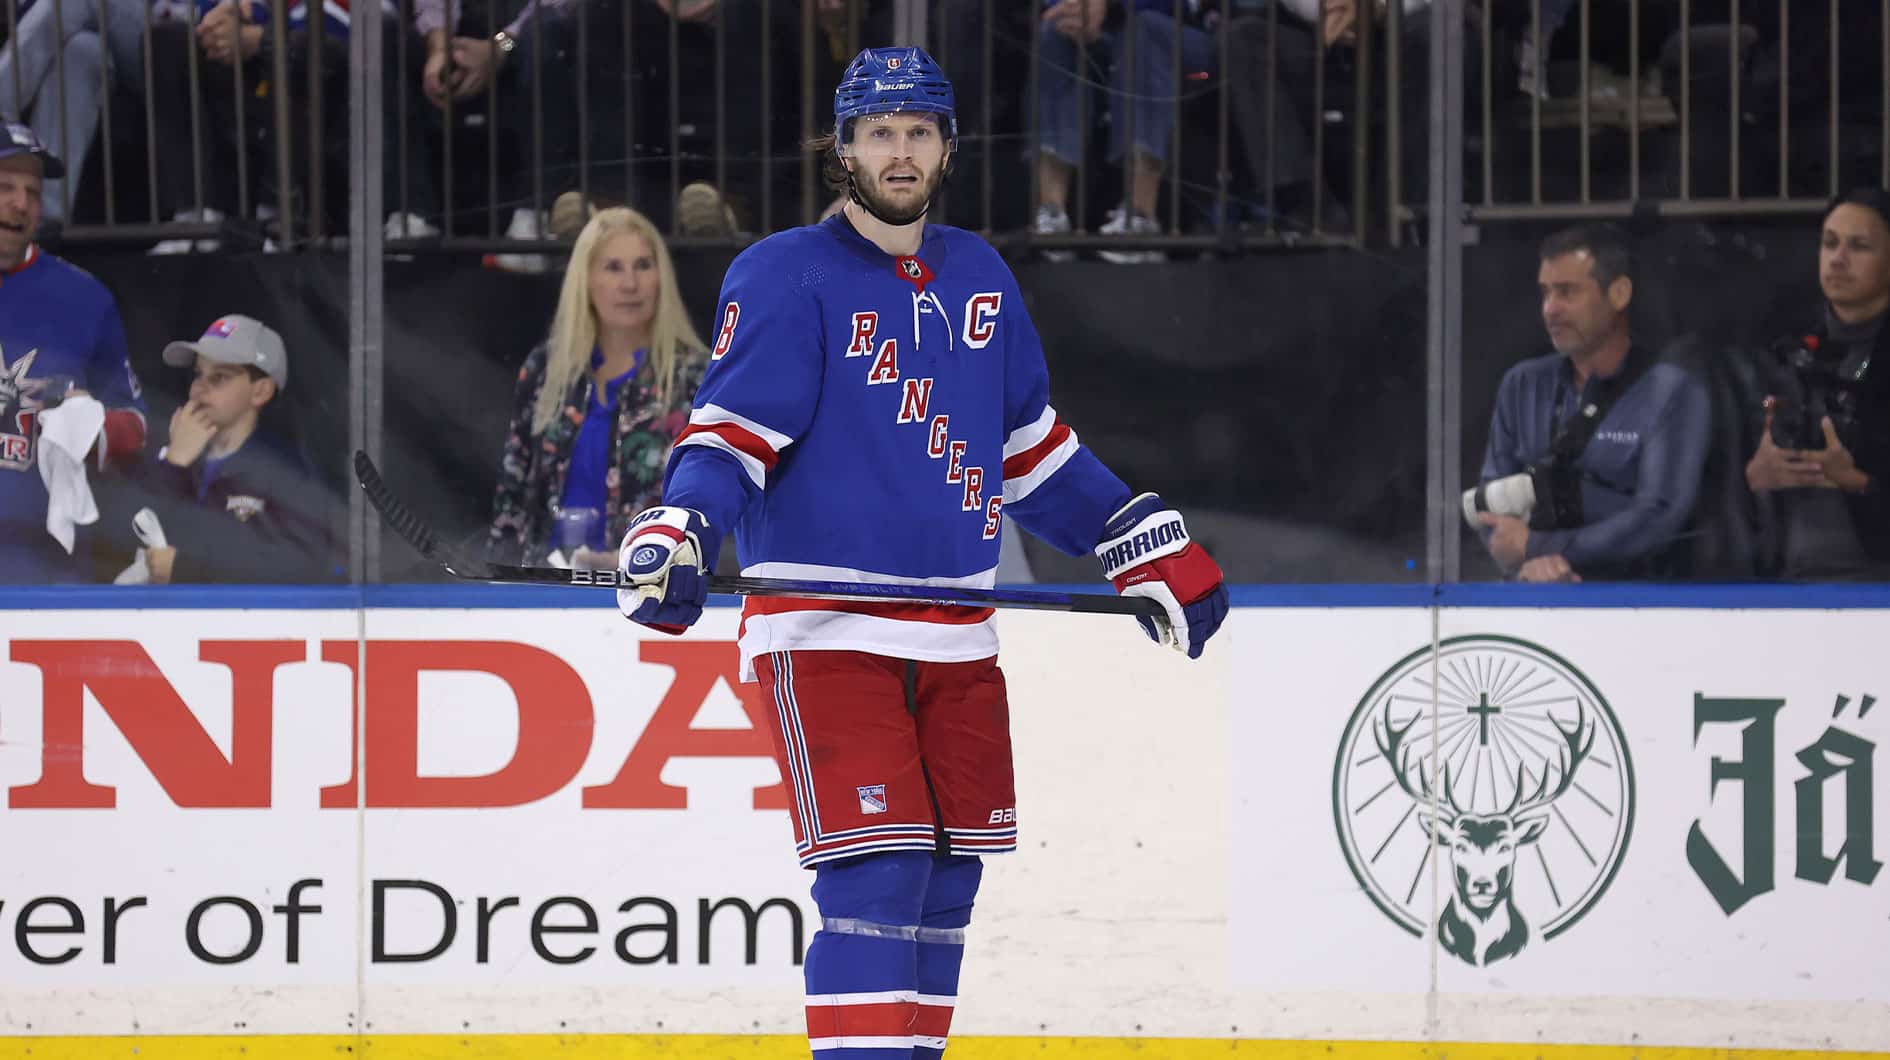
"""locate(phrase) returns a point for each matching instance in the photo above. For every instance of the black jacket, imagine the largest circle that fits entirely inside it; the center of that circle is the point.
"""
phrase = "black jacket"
(1869, 443)
(263, 518)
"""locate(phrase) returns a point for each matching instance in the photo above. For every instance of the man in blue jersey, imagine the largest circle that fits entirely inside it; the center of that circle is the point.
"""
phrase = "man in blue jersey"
(60, 336)
(876, 399)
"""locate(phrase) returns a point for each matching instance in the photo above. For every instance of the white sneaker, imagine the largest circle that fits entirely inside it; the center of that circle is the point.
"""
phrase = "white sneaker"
(409, 226)
(1123, 222)
(1052, 221)
(208, 214)
(525, 226)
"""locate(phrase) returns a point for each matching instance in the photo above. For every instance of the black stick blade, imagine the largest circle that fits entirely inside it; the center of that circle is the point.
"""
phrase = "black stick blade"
(394, 513)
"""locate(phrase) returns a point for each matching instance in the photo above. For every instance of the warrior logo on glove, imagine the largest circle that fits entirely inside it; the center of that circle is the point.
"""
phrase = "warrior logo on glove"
(1145, 542)
(1146, 551)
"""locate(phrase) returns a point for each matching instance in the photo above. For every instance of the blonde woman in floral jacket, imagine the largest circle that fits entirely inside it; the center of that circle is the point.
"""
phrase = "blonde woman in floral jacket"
(599, 404)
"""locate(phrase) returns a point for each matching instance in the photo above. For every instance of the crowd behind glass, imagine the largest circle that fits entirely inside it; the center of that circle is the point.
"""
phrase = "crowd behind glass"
(583, 138)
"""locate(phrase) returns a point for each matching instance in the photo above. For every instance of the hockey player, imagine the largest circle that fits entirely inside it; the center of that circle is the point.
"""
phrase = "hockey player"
(876, 395)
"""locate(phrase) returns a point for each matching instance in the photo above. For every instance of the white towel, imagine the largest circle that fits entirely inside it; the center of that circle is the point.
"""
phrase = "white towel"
(66, 434)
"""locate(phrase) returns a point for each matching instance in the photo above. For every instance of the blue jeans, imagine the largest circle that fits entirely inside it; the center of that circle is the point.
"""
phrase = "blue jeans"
(1150, 82)
(53, 71)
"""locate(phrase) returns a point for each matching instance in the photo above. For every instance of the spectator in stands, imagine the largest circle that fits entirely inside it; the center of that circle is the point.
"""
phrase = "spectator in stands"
(598, 405)
(234, 43)
(1609, 439)
(461, 66)
(1532, 68)
(702, 208)
(1105, 32)
(53, 72)
(560, 60)
(198, 139)
(958, 43)
(60, 339)
(471, 54)
(1824, 451)
(1307, 27)
(235, 501)
(1283, 148)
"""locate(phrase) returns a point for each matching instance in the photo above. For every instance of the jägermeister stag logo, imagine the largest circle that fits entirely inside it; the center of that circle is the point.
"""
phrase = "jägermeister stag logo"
(1518, 784)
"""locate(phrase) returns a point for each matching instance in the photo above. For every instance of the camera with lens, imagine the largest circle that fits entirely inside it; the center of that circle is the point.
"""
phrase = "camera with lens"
(1548, 493)
(1548, 496)
(1811, 380)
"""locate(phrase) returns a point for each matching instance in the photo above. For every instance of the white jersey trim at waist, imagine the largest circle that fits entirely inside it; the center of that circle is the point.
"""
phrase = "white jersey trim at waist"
(844, 631)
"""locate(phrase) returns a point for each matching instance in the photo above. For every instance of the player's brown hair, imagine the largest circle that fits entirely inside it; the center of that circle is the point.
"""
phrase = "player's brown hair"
(833, 172)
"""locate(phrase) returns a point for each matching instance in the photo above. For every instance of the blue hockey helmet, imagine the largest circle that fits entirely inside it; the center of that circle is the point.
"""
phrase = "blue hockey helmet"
(886, 80)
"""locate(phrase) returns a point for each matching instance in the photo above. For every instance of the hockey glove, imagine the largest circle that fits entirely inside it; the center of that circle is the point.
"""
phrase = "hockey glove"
(1146, 551)
(666, 556)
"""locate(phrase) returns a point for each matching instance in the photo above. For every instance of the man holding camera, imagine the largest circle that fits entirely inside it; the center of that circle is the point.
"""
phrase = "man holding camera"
(1825, 447)
(1596, 450)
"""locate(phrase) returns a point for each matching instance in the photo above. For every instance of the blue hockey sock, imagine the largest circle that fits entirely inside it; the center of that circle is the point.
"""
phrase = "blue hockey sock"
(863, 964)
(942, 924)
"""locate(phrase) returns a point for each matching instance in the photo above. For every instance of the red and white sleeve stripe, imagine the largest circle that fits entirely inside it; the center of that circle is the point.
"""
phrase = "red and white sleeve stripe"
(755, 446)
(1034, 452)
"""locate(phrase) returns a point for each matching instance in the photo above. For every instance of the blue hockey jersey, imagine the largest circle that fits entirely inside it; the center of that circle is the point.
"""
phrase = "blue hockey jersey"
(58, 326)
(867, 417)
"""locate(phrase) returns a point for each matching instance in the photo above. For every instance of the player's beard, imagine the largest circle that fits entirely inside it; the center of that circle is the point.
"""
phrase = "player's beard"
(894, 215)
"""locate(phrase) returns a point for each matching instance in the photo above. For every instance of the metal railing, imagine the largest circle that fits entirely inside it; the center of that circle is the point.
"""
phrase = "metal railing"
(218, 167)
(39, 49)
(1750, 44)
(556, 120)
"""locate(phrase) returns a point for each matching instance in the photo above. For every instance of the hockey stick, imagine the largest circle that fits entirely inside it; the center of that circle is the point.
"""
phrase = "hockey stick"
(416, 533)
